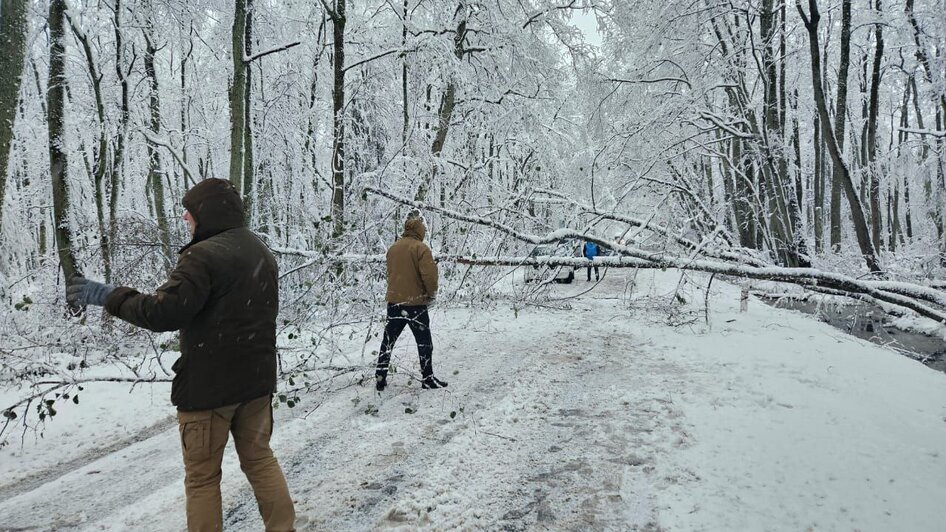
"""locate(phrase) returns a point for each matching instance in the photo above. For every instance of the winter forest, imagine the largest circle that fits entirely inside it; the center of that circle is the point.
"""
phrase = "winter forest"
(715, 151)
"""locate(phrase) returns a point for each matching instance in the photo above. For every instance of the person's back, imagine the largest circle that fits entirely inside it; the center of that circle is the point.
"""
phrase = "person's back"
(412, 272)
(412, 286)
(591, 251)
(232, 342)
(223, 297)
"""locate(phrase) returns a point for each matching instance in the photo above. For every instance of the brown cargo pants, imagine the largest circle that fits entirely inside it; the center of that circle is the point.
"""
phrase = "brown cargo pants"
(203, 439)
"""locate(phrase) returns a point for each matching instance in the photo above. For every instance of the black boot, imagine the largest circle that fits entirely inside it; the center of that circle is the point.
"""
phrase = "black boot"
(381, 383)
(432, 383)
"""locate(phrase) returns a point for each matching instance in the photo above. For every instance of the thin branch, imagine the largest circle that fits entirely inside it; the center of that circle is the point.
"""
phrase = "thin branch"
(536, 16)
(930, 132)
(378, 56)
(654, 80)
(250, 58)
(191, 174)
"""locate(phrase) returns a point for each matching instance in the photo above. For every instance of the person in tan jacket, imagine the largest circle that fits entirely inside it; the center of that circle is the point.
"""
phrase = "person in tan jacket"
(412, 286)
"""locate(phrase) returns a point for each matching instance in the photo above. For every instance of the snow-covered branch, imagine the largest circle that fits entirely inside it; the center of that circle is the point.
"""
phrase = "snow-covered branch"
(254, 57)
(929, 132)
(374, 57)
(192, 175)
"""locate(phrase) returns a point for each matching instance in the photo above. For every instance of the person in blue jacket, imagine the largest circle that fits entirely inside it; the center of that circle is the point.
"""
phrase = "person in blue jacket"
(591, 251)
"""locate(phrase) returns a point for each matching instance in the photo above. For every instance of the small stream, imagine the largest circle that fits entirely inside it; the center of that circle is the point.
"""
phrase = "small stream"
(870, 323)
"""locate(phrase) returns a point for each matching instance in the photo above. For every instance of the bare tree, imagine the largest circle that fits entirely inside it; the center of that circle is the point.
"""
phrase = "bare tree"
(238, 88)
(13, 39)
(840, 121)
(857, 213)
(338, 16)
(871, 140)
(58, 164)
(99, 155)
(156, 174)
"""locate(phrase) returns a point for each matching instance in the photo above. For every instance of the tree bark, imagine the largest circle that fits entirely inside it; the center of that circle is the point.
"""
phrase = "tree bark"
(840, 121)
(249, 177)
(857, 213)
(155, 172)
(237, 95)
(905, 123)
(406, 116)
(124, 117)
(58, 164)
(872, 170)
(13, 40)
(819, 187)
(338, 16)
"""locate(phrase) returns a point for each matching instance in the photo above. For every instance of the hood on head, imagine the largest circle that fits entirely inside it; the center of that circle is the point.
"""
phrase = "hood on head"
(414, 227)
(215, 205)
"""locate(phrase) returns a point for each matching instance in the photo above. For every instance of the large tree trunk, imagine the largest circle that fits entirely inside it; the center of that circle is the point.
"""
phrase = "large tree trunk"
(840, 120)
(155, 172)
(55, 103)
(118, 159)
(871, 140)
(13, 41)
(249, 179)
(237, 95)
(902, 139)
(406, 116)
(185, 105)
(338, 119)
(784, 215)
(99, 155)
(819, 187)
(857, 213)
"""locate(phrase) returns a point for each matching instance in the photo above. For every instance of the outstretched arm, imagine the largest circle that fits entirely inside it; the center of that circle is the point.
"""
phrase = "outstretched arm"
(172, 306)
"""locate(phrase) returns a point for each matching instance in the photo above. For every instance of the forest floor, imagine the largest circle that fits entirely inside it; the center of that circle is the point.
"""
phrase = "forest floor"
(593, 411)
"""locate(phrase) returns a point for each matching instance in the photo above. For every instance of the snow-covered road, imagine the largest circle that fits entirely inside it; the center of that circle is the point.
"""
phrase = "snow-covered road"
(598, 417)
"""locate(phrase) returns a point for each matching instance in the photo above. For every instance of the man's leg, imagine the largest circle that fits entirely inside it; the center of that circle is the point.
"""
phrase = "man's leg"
(397, 319)
(420, 326)
(203, 439)
(252, 427)
(596, 274)
(589, 273)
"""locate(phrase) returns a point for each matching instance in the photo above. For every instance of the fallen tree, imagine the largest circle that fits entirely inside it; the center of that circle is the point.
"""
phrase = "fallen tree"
(925, 301)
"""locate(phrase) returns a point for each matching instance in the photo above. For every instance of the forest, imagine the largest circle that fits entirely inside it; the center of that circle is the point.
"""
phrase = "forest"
(799, 142)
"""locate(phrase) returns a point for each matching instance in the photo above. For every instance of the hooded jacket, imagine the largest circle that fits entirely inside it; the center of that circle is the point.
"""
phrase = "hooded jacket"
(412, 272)
(223, 297)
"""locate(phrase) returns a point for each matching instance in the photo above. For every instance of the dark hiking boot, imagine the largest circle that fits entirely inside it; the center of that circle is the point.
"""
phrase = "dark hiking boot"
(381, 383)
(432, 383)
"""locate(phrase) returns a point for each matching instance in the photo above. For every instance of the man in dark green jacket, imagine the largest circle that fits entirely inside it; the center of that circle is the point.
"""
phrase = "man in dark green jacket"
(223, 298)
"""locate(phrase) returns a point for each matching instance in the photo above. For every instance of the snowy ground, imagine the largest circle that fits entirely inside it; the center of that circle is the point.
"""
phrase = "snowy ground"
(597, 417)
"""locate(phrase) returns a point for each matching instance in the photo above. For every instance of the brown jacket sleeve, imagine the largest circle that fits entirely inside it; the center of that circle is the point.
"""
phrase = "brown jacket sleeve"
(173, 305)
(429, 275)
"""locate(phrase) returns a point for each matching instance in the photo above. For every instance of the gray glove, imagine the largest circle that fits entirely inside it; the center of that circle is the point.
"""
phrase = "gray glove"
(83, 292)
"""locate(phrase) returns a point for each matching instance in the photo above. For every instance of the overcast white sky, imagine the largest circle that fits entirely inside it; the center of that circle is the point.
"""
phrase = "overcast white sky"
(585, 21)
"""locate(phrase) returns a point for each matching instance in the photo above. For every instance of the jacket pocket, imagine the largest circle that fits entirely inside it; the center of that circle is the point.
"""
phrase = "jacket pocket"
(194, 428)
